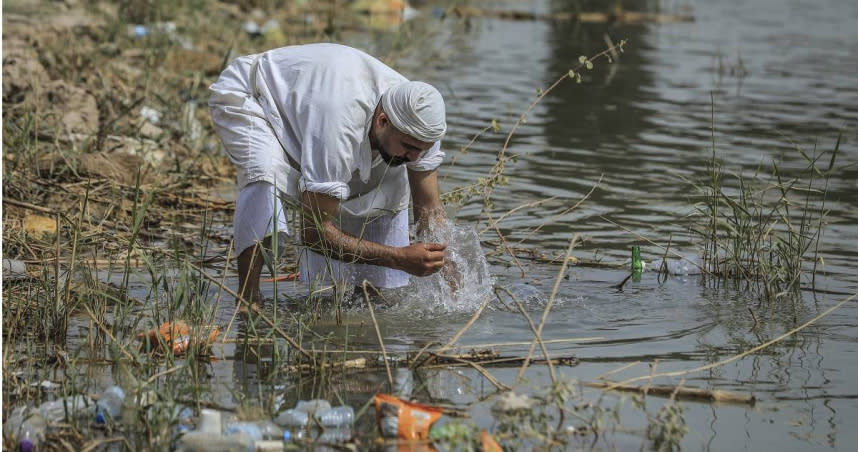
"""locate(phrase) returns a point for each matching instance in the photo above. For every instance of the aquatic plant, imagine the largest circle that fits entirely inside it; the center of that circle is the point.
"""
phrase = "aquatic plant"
(764, 231)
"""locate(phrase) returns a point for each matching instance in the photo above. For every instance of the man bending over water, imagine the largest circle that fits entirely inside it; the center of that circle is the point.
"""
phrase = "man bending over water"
(335, 131)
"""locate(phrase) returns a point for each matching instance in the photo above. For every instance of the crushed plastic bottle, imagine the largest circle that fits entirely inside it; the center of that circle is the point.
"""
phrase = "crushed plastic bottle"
(109, 405)
(26, 427)
(389, 426)
(341, 416)
(68, 407)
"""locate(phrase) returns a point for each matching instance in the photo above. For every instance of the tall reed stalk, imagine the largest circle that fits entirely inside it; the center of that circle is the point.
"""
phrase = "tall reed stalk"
(763, 231)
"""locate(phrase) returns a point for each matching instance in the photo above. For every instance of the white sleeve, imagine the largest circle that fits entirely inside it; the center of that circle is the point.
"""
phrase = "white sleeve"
(430, 160)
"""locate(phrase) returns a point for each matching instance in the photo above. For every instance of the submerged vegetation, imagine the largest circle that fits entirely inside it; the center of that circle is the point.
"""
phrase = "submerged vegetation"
(111, 171)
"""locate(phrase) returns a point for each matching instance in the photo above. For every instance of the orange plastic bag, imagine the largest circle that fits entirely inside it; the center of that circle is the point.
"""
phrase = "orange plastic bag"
(411, 420)
(489, 442)
(178, 336)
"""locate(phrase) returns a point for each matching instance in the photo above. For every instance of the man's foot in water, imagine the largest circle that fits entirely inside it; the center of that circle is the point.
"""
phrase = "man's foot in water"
(243, 308)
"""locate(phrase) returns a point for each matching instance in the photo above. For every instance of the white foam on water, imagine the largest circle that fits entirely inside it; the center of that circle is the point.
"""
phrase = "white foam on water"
(433, 294)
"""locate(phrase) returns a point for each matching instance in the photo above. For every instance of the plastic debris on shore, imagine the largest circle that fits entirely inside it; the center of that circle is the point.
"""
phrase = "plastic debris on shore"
(178, 337)
(398, 418)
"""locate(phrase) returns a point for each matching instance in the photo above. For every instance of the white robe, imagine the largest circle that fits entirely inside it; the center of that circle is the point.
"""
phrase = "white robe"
(314, 102)
(318, 101)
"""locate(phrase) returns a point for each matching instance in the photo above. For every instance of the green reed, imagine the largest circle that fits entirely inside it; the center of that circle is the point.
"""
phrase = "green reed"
(763, 230)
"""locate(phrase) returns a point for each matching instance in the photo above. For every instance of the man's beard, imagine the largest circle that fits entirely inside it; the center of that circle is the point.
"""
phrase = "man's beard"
(390, 159)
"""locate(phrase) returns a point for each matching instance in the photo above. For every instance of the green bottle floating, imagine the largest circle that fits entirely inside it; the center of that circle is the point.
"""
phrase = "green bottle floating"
(637, 263)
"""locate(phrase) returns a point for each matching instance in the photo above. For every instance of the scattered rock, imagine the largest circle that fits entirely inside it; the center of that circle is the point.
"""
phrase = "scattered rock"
(121, 167)
(67, 109)
(22, 71)
(149, 130)
(13, 270)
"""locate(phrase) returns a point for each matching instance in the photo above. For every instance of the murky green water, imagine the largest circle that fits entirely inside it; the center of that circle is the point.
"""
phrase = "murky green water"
(780, 74)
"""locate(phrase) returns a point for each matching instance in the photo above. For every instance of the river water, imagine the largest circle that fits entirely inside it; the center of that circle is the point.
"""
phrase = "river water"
(770, 75)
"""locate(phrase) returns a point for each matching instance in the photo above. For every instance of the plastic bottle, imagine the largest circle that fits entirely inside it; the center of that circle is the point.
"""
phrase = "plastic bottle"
(270, 430)
(403, 382)
(268, 446)
(68, 407)
(637, 263)
(109, 405)
(681, 267)
(292, 419)
(210, 421)
(311, 406)
(334, 435)
(389, 426)
(341, 416)
(197, 441)
(293, 435)
(251, 429)
(183, 418)
(27, 427)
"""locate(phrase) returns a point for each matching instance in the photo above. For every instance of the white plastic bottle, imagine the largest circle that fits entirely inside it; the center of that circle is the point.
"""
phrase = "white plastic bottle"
(209, 438)
(270, 430)
(197, 441)
(681, 267)
(311, 406)
(27, 427)
(251, 429)
(109, 405)
(67, 408)
(292, 419)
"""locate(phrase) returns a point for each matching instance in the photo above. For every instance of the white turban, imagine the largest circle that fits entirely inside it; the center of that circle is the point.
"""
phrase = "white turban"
(416, 109)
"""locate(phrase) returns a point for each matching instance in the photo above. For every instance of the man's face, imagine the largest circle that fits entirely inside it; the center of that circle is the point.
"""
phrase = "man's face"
(396, 147)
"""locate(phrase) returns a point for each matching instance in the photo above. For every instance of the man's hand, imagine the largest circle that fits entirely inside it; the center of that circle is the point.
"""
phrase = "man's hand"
(452, 275)
(421, 259)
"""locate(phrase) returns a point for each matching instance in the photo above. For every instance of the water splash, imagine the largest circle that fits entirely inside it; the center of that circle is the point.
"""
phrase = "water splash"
(528, 295)
(461, 288)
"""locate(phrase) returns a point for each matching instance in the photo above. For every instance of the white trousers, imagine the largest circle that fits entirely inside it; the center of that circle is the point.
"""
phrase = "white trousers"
(259, 213)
